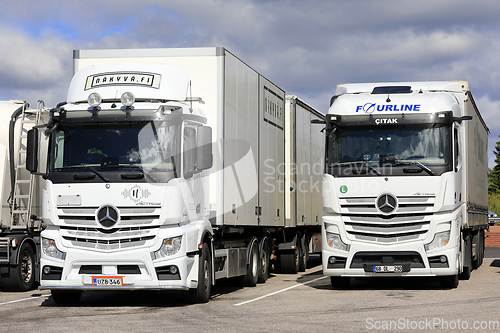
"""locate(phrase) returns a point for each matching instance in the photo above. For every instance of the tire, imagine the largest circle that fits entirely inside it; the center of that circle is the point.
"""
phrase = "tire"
(290, 261)
(467, 266)
(61, 296)
(339, 282)
(250, 279)
(201, 294)
(449, 282)
(303, 253)
(264, 260)
(22, 276)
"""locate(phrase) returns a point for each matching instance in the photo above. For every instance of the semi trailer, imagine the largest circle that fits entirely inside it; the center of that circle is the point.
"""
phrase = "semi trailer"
(20, 199)
(406, 182)
(171, 169)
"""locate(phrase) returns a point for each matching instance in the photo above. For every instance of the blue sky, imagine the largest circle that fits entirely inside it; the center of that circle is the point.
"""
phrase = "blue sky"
(305, 47)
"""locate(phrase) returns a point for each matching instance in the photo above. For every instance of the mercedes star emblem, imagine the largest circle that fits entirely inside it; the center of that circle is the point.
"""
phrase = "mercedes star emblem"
(386, 203)
(107, 216)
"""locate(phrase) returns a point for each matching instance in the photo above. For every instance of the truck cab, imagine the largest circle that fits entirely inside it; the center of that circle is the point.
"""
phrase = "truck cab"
(405, 182)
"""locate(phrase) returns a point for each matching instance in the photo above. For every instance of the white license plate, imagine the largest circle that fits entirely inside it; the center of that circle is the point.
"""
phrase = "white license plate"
(108, 281)
(388, 269)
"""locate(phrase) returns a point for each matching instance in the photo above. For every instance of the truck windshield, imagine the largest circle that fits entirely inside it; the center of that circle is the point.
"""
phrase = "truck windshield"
(410, 149)
(148, 146)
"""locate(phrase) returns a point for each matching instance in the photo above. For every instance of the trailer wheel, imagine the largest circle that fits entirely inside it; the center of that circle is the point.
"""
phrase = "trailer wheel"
(250, 280)
(201, 294)
(22, 276)
(263, 260)
(290, 261)
(449, 282)
(61, 296)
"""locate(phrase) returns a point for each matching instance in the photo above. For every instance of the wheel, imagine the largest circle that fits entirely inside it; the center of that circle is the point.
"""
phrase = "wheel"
(290, 261)
(449, 282)
(264, 253)
(250, 279)
(340, 282)
(61, 296)
(303, 253)
(22, 276)
(467, 266)
(201, 294)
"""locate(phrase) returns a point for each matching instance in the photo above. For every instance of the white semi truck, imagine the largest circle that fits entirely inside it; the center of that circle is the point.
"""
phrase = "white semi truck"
(19, 226)
(166, 169)
(405, 187)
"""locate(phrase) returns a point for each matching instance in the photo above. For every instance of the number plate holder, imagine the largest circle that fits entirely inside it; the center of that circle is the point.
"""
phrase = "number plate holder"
(387, 269)
(107, 281)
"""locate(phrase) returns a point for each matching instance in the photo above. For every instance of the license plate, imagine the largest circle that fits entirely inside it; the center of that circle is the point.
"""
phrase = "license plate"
(108, 281)
(388, 269)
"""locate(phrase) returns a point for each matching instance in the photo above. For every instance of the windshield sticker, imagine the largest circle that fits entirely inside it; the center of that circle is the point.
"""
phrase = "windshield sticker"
(372, 107)
(343, 189)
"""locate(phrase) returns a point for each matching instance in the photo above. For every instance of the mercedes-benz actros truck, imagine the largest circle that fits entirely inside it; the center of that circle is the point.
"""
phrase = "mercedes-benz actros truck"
(405, 184)
(166, 169)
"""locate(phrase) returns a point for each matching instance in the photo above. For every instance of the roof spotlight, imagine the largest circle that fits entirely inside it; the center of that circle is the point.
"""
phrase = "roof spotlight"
(127, 99)
(94, 99)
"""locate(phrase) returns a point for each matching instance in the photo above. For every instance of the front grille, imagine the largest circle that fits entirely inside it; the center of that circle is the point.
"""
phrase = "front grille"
(120, 269)
(409, 221)
(361, 259)
(135, 227)
(129, 216)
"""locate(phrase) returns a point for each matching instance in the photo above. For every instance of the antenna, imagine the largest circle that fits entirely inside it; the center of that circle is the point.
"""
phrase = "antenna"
(388, 100)
(114, 104)
(190, 97)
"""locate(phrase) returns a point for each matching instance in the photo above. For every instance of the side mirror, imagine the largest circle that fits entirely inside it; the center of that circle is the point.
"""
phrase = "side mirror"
(460, 119)
(204, 148)
(32, 150)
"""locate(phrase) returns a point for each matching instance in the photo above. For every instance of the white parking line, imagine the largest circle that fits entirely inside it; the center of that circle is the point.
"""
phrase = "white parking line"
(24, 299)
(280, 291)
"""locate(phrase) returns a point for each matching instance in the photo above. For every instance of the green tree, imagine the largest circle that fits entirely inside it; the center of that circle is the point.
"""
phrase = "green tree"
(494, 174)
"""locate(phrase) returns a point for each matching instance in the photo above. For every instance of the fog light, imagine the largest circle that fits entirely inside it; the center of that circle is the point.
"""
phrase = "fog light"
(442, 259)
(46, 270)
(173, 270)
(332, 260)
(94, 99)
(127, 99)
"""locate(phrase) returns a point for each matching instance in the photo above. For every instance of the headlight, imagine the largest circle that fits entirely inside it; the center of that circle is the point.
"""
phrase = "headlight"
(440, 239)
(335, 242)
(169, 247)
(50, 249)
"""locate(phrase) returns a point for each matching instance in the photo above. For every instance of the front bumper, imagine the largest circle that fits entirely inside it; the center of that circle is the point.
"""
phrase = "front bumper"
(415, 261)
(135, 268)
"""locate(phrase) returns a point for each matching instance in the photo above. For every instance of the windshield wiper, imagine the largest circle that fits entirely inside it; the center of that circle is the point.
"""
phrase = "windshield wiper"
(365, 163)
(138, 167)
(88, 167)
(422, 166)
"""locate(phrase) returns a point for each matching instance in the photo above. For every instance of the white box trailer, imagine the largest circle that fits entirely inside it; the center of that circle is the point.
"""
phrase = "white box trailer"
(405, 189)
(222, 209)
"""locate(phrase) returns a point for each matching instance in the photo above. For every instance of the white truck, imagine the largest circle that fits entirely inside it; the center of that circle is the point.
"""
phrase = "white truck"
(405, 187)
(19, 230)
(166, 169)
